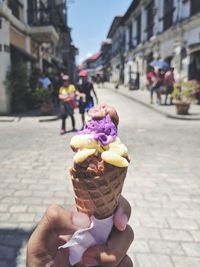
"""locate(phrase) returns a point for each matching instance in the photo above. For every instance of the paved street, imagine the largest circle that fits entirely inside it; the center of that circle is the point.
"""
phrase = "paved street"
(163, 183)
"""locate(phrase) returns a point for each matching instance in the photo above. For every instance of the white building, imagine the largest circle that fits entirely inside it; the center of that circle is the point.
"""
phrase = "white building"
(162, 29)
(116, 34)
(35, 32)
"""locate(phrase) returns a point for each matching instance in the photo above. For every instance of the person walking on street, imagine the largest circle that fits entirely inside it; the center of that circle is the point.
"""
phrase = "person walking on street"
(169, 83)
(156, 85)
(67, 97)
(149, 82)
(85, 88)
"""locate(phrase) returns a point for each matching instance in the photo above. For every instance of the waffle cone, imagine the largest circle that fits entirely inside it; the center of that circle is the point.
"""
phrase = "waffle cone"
(98, 196)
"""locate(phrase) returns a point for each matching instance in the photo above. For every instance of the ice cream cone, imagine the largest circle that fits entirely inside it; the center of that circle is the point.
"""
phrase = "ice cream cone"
(99, 195)
(100, 163)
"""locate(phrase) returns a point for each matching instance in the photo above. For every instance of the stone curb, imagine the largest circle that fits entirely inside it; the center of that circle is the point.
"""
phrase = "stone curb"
(177, 117)
(55, 118)
(40, 119)
(7, 119)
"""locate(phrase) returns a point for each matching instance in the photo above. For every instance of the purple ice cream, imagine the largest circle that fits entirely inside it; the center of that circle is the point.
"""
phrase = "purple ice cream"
(104, 130)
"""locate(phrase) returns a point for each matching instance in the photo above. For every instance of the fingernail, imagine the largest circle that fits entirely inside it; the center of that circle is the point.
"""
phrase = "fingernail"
(80, 220)
(90, 261)
(123, 222)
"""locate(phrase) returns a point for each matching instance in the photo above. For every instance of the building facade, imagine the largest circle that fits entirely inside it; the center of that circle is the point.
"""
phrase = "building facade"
(116, 34)
(35, 32)
(106, 49)
(167, 30)
(159, 29)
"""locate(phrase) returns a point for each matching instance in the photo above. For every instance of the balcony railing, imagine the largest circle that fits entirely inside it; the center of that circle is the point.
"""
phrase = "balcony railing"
(46, 17)
(39, 17)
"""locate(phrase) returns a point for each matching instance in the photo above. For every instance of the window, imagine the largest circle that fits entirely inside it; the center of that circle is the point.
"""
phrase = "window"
(195, 7)
(32, 4)
(38, 13)
(130, 34)
(168, 10)
(138, 36)
(14, 5)
(150, 19)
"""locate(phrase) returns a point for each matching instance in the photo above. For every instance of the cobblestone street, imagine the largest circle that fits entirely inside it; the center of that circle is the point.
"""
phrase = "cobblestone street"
(163, 183)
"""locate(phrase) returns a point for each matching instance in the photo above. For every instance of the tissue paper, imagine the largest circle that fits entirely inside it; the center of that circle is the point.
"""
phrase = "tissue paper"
(96, 234)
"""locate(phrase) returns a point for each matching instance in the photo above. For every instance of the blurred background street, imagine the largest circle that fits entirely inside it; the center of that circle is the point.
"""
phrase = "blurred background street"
(162, 183)
(142, 57)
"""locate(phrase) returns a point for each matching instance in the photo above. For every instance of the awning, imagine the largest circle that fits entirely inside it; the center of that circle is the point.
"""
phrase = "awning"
(25, 55)
(99, 68)
(194, 48)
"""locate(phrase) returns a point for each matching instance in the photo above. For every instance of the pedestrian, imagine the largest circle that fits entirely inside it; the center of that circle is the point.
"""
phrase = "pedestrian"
(67, 97)
(157, 81)
(58, 224)
(98, 80)
(149, 81)
(44, 82)
(57, 83)
(85, 88)
(169, 83)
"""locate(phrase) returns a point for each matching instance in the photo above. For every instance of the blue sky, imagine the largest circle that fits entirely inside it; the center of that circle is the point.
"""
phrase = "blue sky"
(90, 21)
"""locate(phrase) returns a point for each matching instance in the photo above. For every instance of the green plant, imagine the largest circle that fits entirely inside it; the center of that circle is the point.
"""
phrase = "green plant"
(41, 94)
(16, 83)
(186, 91)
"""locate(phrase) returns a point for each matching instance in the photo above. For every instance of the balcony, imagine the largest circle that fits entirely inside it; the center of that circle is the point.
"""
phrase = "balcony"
(42, 25)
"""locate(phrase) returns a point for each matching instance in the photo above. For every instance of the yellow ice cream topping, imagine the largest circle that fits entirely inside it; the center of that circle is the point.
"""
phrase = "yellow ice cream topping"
(114, 153)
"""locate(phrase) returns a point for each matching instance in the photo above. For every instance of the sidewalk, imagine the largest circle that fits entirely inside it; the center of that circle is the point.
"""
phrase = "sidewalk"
(142, 97)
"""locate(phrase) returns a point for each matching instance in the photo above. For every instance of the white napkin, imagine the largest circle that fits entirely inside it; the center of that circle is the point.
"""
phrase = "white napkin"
(96, 234)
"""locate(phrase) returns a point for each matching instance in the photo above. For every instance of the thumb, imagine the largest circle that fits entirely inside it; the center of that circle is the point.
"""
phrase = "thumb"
(64, 221)
(59, 221)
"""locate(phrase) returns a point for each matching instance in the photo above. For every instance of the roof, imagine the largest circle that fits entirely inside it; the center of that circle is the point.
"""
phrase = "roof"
(131, 8)
(106, 43)
(115, 23)
(94, 56)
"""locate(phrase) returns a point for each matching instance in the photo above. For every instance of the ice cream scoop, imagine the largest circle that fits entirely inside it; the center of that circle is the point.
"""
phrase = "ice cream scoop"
(101, 111)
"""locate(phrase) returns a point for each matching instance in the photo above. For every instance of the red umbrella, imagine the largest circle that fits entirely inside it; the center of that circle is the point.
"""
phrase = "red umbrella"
(83, 73)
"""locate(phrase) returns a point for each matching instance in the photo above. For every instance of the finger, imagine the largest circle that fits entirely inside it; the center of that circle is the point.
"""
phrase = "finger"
(63, 221)
(122, 214)
(114, 251)
(57, 221)
(126, 262)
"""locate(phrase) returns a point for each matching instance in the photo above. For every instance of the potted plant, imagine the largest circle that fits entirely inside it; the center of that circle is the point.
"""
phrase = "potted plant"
(184, 93)
(43, 97)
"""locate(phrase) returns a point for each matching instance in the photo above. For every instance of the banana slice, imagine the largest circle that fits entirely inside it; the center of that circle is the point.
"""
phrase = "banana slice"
(116, 142)
(83, 141)
(120, 149)
(82, 155)
(114, 159)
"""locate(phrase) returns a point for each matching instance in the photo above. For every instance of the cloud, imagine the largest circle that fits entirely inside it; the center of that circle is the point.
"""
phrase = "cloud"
(89, 54)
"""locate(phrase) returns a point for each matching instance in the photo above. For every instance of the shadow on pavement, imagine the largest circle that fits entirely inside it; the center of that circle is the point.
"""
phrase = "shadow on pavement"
(11, 242)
